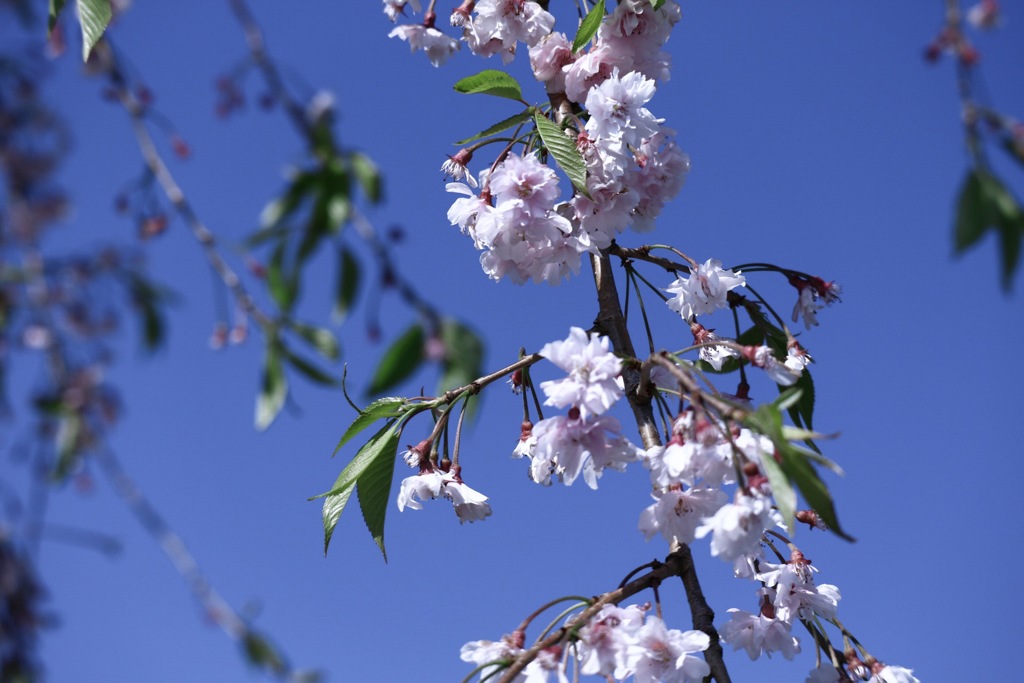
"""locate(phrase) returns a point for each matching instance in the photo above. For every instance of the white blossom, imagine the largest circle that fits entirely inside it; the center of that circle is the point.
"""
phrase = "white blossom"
(435, 44)
(593, 384)
(704, 291)
(757, 633)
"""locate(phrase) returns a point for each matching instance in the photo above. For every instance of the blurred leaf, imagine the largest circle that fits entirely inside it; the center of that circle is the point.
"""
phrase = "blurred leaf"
(1014, 149)
(400, 360)
(972, 215)
(985, 203)
(589, 26)
(368, 176)
(563, 149)
(56, 7)
(262, 654)
(657, 4)
(149, 298)
(310, 370)
(463, 355)
(348, 284)
(95, 16)
(491, 82)
(383, 444)
(68, 431)
(390, 406)
(320, 338)
(517, 119)
(273, 389)
(374, 491)
(302, 184)
(283, 286)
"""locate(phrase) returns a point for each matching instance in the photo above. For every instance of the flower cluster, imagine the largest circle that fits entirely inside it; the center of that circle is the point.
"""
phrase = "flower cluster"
(519, 220)
(436, 481)
(617, 643)
(585, 441)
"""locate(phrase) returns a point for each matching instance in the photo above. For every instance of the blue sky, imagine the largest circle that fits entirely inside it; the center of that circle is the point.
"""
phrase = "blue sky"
(820, 140)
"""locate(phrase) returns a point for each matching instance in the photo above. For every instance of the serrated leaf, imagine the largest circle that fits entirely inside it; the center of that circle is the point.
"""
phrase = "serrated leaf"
(273, 388)
(563, 149)
(320, 338)
(589, 26)
(491, 82)
(368, 176)
(95, 16)
(517, 119)
(348, 284)
(383, 444)
(463, 355)
(387, 407)
(374, 491)
(400, 360)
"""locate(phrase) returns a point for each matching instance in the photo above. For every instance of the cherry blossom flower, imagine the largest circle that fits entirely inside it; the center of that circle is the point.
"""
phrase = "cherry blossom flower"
(568, 446)
(500, 24)
(780, 373)
(677, 514)
(704, 291)
(435, 44)
(426, 485)
(892, 674)
(393, 8)
(667, 656)
(757, 633)
(470, 505)
(483, 652)
(824, 673)
(605, 639)
(807, 306)
(593, 384)
(736, 527)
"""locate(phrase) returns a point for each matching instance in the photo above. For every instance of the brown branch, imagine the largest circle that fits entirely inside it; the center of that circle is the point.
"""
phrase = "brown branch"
(611, 321)
(675, 565)
(155, 163)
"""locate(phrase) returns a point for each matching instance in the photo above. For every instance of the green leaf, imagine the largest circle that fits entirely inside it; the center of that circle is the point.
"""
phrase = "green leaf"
(783, 493)
(95, 16)
(986, 203)
(148, 299)
(309, 370)
(275, 212)
(262, 654)
(517, 119)
(491, 82)
(384, 444)
(795, 465)
(972, 217)
(656, 5)
(348, 284)
(374, 491)
(56, 7)
(320, 338)
(563, 149)
(368, 176)
(399, 361)
(389, 407)
(463, 355)
(589, 26)
(283, 286)
(273, 388)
